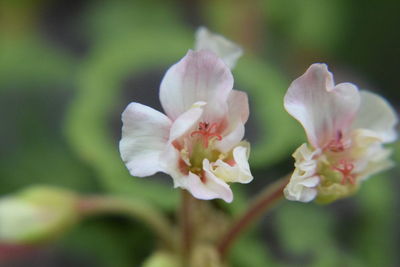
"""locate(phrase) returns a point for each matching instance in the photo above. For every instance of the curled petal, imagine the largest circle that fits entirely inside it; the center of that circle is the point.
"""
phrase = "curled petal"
(297, 191)
(222, 47)
(377, 115)
(207, 187)
(199, 76)
(304, 180)
(239, 172)
(145, 133)
(325, 110)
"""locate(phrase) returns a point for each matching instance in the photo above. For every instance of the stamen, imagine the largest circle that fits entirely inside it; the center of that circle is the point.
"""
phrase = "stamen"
(207, 131)
(346, 168)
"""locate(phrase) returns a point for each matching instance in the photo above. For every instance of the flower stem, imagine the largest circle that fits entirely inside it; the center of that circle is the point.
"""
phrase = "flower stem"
(186, 226)
(94, 205)
(261, 204)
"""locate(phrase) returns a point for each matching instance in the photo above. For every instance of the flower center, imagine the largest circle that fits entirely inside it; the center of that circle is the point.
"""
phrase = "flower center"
(345, 167)
(207, 131)
(337, 145)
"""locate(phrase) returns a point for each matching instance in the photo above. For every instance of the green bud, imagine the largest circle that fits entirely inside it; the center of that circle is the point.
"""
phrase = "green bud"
(162, 259)
(36, 214)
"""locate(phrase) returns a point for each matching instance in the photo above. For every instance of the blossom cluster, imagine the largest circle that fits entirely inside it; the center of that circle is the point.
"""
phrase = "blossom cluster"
(199, 140)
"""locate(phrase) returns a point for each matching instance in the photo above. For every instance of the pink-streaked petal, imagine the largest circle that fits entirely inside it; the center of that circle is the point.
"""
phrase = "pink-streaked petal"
(238, 106)
(377, 115)
(199, 76)
(326, 111)
(238, 113)
(222, 47)
(145, 133)
(186, 121)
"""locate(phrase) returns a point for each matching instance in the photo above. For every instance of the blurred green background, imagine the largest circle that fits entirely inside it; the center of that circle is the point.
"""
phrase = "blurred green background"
(69, 68)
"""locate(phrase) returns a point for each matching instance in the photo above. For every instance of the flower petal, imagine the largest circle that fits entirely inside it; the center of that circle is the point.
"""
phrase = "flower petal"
(199, 76)
(238, 106)
(240, 172)
(302, 184)
(222, 47)
(376, 114)
(238, 113)
(215, 185)
(298, 192)
(186, 121)
(145, 134)
(210, 188)
(324, 110)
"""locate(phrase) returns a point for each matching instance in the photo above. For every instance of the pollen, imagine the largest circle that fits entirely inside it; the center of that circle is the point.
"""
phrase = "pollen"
(207, 131)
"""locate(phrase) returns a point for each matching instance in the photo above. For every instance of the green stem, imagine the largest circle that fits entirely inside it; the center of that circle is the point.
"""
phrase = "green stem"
(261, 204)
(94, 205)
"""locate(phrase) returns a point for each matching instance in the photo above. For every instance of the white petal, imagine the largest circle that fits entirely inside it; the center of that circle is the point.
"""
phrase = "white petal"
(238, 106)
(216, 185)
(145, 133)
(238, 113)
(369, 153)
(169, 163)
(303, 195)
(310, 181)
(376, 114)
(211, 188)
(324, 110)
(186, 121)
(298, 189)
(222, 47)
(199, 76)
(232, 139)
(240, 172)
(304, 180)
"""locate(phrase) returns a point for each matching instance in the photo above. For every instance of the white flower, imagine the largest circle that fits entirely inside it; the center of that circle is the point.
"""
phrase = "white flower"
(346, 129)
(198, 141)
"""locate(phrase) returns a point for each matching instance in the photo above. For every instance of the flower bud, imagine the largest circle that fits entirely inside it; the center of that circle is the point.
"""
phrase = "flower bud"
(36, 214)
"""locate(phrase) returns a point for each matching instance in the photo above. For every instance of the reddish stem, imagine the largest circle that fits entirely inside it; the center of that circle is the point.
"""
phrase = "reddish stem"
(186, 225)
(271, 195)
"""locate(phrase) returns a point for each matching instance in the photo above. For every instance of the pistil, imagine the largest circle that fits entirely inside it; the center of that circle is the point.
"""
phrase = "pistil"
(207, 131)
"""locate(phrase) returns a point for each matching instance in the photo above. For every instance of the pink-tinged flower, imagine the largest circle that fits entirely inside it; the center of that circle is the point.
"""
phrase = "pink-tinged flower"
(227, 50)
(346, 129)
(199, 140)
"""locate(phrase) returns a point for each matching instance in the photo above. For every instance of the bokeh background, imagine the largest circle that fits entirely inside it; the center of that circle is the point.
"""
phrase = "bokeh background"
(69, 68)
